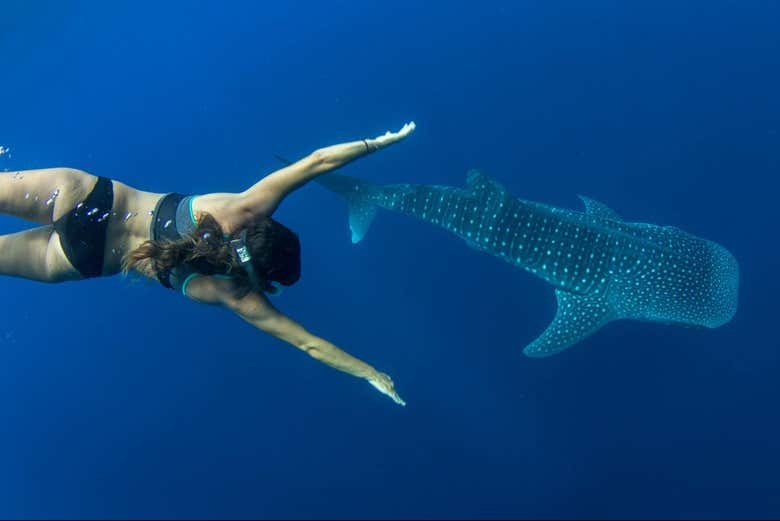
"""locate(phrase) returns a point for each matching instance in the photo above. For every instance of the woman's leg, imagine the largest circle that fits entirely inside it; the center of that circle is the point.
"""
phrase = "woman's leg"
(42, 196)
(35, 254)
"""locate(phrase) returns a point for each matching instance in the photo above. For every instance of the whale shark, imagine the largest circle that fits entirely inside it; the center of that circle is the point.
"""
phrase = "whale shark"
(602, 267)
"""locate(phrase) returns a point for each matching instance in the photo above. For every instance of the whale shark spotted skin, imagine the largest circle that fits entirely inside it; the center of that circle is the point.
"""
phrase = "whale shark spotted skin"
(602, 268)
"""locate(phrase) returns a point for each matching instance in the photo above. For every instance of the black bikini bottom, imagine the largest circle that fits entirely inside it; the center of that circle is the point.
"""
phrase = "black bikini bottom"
(83, 230)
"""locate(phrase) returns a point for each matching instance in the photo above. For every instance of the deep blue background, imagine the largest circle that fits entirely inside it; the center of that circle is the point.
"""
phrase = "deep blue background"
(120, 399)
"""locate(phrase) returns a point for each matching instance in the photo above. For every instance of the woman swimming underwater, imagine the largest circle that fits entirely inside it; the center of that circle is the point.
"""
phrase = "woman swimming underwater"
(221, 248)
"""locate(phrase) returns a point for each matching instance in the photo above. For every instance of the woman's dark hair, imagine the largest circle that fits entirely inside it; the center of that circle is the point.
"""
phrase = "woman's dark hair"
(275, 250)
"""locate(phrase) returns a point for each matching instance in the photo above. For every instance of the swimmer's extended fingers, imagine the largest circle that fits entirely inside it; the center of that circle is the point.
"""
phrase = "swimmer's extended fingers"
(388, 138)
(384, 384)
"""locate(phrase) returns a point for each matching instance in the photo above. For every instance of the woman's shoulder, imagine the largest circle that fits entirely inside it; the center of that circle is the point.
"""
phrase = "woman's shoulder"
(223, 207)
(209, 289)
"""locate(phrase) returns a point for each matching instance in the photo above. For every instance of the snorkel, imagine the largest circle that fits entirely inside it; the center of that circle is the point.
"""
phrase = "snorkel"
(241, 252)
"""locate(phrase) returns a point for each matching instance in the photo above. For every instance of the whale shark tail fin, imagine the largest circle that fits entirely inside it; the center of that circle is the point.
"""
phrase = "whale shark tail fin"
(359, 201)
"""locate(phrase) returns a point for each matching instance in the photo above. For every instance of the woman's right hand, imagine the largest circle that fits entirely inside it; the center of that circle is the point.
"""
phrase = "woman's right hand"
(384, 384)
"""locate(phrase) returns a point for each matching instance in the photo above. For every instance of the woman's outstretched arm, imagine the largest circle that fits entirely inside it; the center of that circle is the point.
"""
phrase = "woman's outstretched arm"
(264, 196)
(258, 311)
(255, 309)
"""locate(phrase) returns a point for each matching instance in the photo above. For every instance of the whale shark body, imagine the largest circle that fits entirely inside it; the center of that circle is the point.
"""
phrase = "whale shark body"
(602, 268)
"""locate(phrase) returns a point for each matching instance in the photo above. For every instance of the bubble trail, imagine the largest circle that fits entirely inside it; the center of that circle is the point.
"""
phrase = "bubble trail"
(52, 197)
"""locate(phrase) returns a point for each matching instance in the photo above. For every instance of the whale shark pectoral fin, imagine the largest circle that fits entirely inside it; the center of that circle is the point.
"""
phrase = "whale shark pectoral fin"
(578, 317)
(599, 209)
(474, 244)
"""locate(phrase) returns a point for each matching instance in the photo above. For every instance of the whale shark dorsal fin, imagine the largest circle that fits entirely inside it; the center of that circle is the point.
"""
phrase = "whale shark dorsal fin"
(578, 317)
(599, 209)
(479, 182)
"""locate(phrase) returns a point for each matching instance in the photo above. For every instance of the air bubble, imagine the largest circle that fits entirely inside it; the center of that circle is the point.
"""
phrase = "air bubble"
(52, 197)
(92, 212)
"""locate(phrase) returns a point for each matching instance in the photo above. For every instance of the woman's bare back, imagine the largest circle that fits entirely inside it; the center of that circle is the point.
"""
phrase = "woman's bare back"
(132, 216)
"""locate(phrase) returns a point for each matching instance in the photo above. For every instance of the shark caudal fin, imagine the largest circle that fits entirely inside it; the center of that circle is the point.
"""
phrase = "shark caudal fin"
(358, 195)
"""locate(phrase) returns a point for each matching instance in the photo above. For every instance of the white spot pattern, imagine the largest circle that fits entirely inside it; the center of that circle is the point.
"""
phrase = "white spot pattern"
(602, 268)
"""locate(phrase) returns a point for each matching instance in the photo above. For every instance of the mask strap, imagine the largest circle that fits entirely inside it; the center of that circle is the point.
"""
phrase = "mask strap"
(245, 258)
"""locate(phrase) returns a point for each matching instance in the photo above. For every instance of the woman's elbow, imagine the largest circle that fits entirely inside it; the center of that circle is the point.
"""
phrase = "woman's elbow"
(312, 350)
(317, 159)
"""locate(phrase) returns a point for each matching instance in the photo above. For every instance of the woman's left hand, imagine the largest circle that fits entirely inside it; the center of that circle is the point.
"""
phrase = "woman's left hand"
(388, 138)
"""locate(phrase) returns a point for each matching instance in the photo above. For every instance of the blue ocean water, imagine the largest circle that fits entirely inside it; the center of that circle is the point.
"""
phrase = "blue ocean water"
(121, 399)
